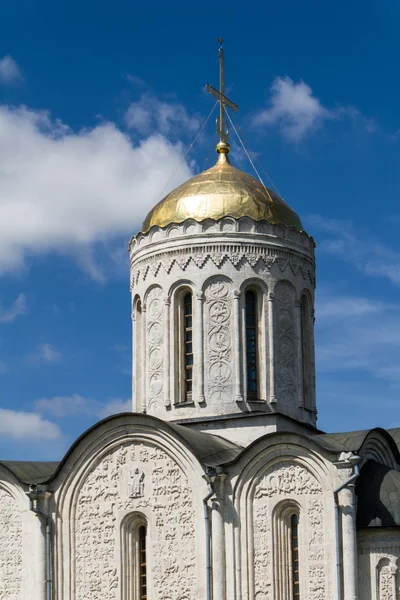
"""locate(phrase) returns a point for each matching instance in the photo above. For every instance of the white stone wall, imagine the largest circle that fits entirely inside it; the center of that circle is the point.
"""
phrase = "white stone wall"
(11, 567)
(379, 564)
(218, 261)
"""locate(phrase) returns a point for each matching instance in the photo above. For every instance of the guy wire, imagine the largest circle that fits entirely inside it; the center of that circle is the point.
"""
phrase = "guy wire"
(248, 156)
(188, 150)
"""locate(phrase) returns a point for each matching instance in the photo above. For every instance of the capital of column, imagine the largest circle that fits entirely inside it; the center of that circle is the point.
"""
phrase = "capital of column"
(200, 296)
(271, 297)
(236, 294)
(167, 301)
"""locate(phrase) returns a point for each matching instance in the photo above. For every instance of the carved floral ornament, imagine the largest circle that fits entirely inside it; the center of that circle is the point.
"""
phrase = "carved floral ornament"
(263, 258)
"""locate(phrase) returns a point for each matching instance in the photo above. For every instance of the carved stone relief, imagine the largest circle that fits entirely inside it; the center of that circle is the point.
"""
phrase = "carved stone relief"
(286, 353)
(291, 479)
(288, 481)
(132, 478)
(387, 582)
(316, 550)
(10, 548)
(219, 341)
(155, 337)
(259, 258)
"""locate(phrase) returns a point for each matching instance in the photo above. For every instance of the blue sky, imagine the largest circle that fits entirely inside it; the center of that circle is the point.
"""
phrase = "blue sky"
(98, 104)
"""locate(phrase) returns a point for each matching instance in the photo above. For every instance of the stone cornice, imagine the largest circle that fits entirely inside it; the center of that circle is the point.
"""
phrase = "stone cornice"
(218, 254)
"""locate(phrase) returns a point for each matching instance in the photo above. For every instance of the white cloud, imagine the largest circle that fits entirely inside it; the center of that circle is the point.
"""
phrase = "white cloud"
(365, 252)
(9, 71)
(63, 191)
(294, 108)
(298, 112)
(69, 406)
(44, 354)
(150, 113)
(358, 335)
(18, 308)
(115, 406)
(19, 425)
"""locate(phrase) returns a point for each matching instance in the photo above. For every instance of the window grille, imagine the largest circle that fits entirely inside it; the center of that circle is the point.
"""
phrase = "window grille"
(188, 346)
(294, 539)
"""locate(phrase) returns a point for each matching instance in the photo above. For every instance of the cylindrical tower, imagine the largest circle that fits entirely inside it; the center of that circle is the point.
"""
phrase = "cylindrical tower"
(222, 280)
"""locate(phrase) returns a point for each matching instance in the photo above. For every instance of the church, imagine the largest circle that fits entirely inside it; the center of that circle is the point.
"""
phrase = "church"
(219, 484)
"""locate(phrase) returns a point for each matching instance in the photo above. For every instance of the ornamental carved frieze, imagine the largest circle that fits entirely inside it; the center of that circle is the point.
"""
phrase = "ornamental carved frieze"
(155, 340)
(284, 480)
(218, 306)
(10, 548)
(133, 478)
(256, 256)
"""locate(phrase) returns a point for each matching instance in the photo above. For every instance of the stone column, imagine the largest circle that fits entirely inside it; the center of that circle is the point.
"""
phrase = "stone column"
(167, 358)
(299, 335)
(271, 340)
(144, 355)
(348, 511)
(238, 349)
(199, 348)
(218, 540)
(39, 569)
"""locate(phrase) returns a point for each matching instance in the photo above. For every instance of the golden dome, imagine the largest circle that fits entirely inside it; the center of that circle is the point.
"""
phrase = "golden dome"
(218, 192)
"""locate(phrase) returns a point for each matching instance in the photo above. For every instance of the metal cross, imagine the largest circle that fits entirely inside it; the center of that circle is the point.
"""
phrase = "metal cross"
(222, 129)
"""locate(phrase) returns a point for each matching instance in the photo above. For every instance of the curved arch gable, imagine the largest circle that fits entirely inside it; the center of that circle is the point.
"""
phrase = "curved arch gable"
(284, 471)
(130, 467)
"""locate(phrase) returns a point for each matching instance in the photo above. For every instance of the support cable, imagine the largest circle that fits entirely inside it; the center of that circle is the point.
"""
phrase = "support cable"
(188, 150)
(249, 158)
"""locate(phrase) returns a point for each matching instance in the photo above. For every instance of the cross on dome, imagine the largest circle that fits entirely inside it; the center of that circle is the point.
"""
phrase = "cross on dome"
(222, 127)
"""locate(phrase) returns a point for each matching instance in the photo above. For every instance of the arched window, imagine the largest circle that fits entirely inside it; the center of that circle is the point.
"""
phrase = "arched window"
(134, 557)
(306, 350)
(251, 324)
(286, 537)
(187, 348)
(294, 544)
(142, 534)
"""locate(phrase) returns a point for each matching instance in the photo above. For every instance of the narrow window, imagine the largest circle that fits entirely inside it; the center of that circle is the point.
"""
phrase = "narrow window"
(294, 542)
(134, 558)
(251, 343)
(188, 346)
(142, 563)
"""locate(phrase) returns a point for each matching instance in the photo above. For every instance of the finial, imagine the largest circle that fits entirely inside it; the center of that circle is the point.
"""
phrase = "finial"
(222, 128)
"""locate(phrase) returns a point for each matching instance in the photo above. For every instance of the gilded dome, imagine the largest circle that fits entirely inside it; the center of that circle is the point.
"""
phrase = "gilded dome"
(218, 192)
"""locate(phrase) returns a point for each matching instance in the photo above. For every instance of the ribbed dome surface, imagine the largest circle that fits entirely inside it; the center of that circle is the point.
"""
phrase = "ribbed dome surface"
(218, 192)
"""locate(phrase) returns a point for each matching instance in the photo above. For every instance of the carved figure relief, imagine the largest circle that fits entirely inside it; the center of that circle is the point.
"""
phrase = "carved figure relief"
(10, 548)
(291, 479)
(133, 478)
(288, 481)
(136, 484)
(219, 341)
(286, 354)
(155, 336)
